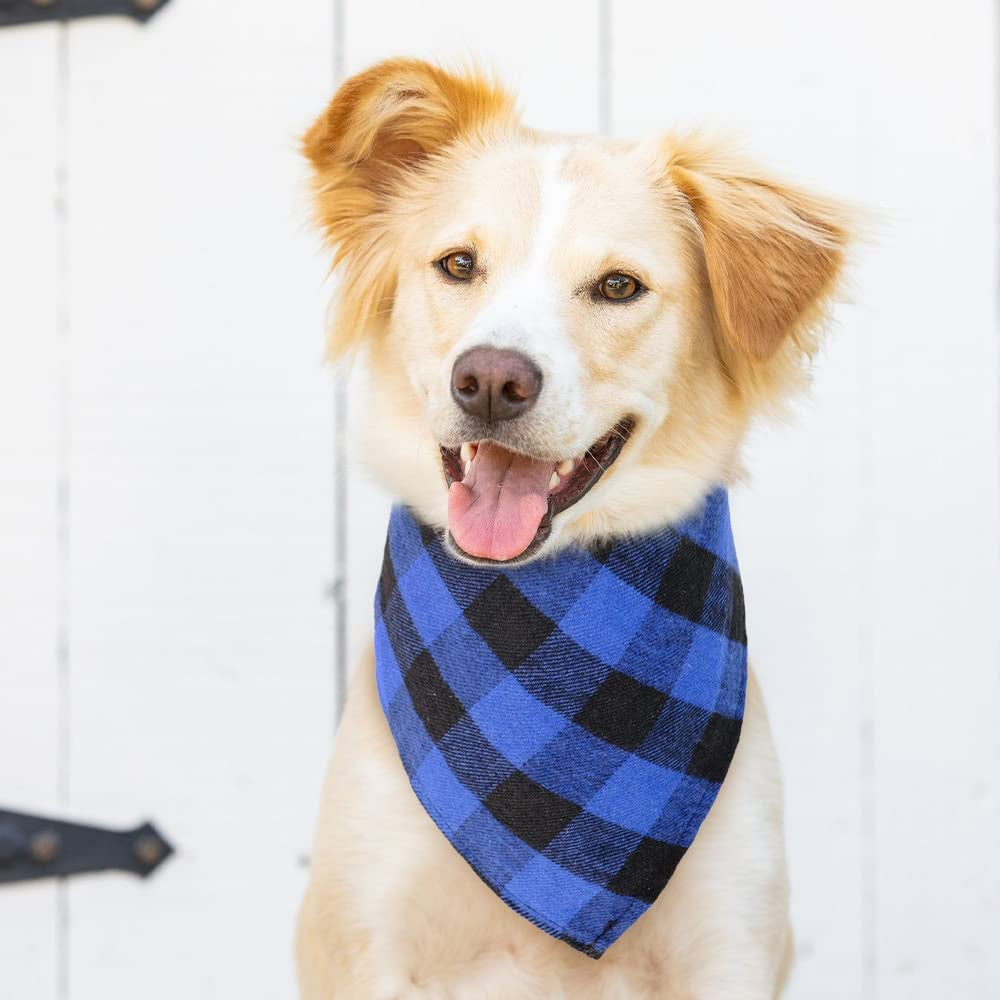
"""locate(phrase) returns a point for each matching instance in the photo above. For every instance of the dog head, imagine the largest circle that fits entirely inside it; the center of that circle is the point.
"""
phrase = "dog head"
(566, 336)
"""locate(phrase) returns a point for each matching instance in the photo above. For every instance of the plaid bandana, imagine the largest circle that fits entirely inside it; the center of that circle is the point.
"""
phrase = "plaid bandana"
(567, 723)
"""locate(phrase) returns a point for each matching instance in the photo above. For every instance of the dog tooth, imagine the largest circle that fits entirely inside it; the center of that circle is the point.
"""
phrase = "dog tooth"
(468, 465)
(565, 467)
(554, 481)
(467, 452)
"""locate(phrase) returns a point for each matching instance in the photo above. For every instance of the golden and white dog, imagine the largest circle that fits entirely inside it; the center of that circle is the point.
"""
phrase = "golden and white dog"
(591, 323)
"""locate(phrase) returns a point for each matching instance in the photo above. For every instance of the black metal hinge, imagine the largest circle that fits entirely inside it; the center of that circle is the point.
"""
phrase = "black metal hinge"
(30, 11)
(39, 847)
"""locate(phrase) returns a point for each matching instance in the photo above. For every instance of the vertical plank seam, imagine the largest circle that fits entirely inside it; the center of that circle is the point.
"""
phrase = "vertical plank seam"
(868, 803)
(868, 536)
(340, 472)
(995, 34)
(63, 488)
(604, 91)
(867, 532)
(868, 806)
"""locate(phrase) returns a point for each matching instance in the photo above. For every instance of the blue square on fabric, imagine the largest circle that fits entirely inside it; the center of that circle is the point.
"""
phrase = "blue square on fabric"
(701, 676)
(517, 724)
(387, 674)
(467, 664)
(508, 853)
(678, 824)
(452, 801)
(636, 794)
(606, 617)
(593, 848)
(561, 674)
(473, 759)
(656, 655)
(549, 890)
(535, 581)
(431, 606)
(405, 540)
(709, 527)
(574, 764)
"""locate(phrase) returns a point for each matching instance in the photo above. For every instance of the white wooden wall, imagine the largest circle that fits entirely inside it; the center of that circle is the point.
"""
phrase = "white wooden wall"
(183, 552)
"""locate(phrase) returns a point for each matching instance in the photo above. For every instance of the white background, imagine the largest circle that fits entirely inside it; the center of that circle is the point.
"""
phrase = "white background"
(185, 553)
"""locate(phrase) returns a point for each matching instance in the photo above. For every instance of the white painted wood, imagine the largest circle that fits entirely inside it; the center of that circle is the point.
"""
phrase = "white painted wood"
(931, 363)
(31, 360)
(516, 41)
(201, 484)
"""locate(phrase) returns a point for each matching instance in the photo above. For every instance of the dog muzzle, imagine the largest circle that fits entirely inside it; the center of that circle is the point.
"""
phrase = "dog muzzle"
(567, 724)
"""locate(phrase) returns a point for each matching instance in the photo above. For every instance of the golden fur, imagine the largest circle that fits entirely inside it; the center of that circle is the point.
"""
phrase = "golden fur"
(410, 163)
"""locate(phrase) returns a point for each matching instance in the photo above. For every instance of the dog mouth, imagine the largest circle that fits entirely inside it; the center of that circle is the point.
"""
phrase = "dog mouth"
(501, 503)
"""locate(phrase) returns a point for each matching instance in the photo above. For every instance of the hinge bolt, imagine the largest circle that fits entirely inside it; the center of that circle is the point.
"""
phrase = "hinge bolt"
(45, 847)
(148, 850)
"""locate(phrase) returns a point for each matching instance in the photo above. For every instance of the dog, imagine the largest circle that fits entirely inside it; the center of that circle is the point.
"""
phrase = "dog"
(524, 300)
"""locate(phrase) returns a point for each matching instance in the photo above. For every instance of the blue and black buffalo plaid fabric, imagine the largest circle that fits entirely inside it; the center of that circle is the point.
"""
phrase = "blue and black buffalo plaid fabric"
(567, 723)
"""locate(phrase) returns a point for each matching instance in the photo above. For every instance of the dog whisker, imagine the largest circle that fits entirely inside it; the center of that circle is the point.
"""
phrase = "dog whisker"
(596, 459)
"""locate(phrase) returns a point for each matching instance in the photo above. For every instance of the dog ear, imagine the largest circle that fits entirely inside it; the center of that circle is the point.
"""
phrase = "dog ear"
(397, 112)
(773, 253)
(381, 128)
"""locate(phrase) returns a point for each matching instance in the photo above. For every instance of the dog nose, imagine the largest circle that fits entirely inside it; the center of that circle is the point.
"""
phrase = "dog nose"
(495, 385)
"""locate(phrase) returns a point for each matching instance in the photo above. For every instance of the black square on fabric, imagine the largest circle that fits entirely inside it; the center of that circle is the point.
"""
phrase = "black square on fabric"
(511, 625)
(530, 811)
(433, 700)
(647, 870)
(387, 581)
(685, 583)
(715, 749)
(737, 620)
(622, 710)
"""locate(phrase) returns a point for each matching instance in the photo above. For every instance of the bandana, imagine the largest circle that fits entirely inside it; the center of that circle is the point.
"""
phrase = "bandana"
(567, 723)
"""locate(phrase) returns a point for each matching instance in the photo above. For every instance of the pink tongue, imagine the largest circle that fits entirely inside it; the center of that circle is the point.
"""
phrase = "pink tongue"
(495, 511)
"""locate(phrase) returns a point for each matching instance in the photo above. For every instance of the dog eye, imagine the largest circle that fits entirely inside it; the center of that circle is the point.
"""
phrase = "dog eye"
(459, 265)
(617, 286)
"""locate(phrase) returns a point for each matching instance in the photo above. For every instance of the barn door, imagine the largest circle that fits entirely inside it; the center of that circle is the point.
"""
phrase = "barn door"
(186, 564)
